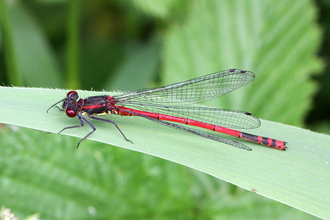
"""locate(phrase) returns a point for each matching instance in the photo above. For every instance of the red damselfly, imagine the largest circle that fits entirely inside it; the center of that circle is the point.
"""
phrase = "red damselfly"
(165, 105)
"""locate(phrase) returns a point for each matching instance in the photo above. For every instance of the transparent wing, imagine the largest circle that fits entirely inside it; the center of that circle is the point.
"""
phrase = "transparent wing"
(199, 133)
(216, 116)
(191, 91)
(203, 134)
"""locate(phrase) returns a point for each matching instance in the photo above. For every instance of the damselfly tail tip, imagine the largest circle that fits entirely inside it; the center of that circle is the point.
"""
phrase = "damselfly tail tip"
(285, 147)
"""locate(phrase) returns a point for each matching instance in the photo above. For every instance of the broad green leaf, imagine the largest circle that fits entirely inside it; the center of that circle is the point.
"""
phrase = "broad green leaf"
(105, 182)
(298, 177)
(150, 186)
(273, 39)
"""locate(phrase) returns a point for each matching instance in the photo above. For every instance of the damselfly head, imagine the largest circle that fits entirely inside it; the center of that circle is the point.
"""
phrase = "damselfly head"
(69, 104)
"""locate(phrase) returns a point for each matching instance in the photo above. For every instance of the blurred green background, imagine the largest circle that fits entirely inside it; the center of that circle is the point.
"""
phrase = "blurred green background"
(127, 45)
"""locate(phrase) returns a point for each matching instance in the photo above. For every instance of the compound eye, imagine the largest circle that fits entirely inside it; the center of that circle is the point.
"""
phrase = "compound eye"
(70, 113)
(72, 94)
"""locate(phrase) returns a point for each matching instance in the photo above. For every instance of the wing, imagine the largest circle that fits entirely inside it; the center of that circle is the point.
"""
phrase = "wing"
(199, 133)
(216, 116)
(191, 91)
(203, 134)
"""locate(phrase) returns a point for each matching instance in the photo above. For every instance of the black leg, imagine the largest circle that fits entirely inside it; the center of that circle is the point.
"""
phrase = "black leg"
(81, 119)
(90, 124)
(76, 126)
(112, 122)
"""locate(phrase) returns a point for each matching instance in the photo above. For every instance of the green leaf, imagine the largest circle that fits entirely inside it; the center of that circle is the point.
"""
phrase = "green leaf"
(273, 39)
(298, 177)
(103, 182)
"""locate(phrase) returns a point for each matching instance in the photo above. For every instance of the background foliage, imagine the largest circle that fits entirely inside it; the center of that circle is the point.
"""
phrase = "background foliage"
(126, 45)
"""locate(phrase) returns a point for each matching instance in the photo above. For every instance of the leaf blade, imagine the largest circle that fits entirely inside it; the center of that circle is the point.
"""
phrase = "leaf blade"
(267, 170)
